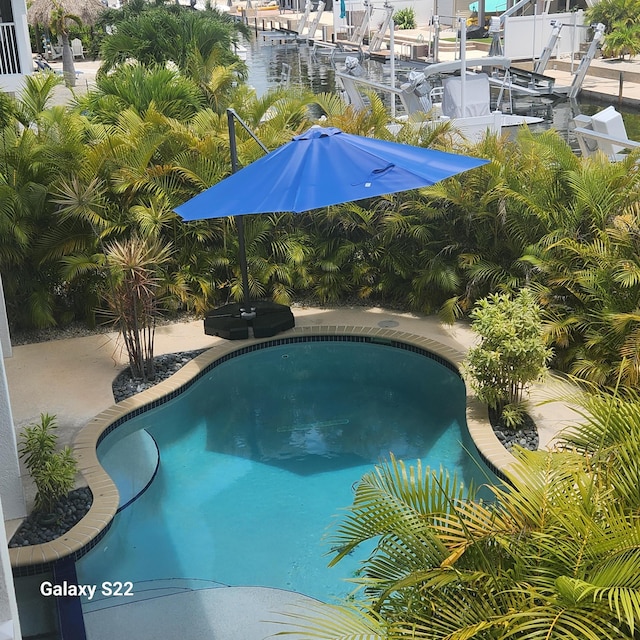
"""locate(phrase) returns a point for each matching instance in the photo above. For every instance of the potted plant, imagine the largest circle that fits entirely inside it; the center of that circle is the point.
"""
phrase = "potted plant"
(53, 471)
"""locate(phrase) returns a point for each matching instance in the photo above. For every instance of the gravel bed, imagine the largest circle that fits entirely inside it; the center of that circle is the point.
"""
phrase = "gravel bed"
(37, 529)
(526, 436)
(124, 386)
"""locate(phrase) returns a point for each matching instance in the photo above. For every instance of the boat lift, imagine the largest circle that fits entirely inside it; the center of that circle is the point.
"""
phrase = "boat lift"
(282, 35)
(350, 47)
(377, 38)
(583, 67)
(543, 60)
(496, 24)
(310, 34)
(466, 102)
(536, 83)
(356, 43)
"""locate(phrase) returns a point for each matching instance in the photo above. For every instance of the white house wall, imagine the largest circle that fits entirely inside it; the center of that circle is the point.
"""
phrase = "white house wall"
(9, 623)
(12, 505)
(13, 83)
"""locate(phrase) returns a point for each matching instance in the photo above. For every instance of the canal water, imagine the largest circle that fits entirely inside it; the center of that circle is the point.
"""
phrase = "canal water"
(272, 64)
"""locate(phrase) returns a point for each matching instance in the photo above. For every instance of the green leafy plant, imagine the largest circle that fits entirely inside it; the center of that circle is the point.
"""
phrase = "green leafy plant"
(405, 18)
(623, 40)
(52, 471)
(513, 415)
(511, 353)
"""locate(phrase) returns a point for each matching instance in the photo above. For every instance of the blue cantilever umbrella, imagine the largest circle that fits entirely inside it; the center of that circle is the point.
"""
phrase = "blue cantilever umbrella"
(322, 167)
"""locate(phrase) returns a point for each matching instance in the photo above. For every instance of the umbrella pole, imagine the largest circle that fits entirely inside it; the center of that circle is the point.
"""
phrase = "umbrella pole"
(246, 311)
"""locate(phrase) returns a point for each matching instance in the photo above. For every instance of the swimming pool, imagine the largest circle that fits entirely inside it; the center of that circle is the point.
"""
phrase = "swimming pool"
(259, 455)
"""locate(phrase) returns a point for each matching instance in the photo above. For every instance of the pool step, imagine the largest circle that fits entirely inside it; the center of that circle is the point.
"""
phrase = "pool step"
(132, 462)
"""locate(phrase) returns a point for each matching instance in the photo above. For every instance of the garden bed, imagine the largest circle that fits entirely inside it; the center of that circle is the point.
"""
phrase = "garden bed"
(526, 436)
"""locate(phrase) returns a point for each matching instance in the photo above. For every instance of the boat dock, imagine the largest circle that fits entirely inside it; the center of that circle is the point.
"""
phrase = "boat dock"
(610, 81)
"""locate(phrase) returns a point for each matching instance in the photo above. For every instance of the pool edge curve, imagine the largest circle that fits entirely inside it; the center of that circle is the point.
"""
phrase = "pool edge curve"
(35, 559)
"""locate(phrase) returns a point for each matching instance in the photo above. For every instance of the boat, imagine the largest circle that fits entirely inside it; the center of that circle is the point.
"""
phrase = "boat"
(603, 132)
(441, 92)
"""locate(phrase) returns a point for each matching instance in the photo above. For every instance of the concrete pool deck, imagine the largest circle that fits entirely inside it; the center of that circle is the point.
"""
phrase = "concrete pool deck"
(223, 613)
(72, 378)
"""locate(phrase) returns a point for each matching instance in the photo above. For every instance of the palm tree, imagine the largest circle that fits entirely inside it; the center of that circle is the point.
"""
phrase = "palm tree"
(57, 16)
(137, 87)
(553, 555)
(196, 42)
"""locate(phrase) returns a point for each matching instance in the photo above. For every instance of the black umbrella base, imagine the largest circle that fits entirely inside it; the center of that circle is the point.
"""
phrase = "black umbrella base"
(230, 323)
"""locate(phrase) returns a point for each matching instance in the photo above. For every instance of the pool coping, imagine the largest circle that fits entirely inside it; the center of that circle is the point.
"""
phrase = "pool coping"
(35, 559)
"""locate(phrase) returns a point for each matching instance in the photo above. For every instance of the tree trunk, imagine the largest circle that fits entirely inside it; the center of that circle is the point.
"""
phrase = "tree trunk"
(68, 68)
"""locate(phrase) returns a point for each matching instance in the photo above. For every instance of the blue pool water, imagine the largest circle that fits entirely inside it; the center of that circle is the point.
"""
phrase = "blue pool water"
(258, 457)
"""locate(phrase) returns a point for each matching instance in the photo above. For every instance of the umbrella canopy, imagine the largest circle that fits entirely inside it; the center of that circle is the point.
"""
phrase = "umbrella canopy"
(39, 11)
(321, 167)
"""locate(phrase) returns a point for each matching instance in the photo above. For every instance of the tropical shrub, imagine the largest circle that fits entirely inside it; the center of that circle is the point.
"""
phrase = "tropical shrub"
(52, 471)
(620, 17)
(405, 18)
(623, 40)
(156, 35)
(554, 555)
(609, 12)
(511, 353)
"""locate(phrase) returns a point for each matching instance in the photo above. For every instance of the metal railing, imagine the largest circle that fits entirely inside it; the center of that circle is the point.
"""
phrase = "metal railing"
(9, 59)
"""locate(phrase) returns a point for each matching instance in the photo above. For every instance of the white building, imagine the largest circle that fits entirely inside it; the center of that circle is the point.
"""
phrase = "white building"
(11, 496)
(16, 59)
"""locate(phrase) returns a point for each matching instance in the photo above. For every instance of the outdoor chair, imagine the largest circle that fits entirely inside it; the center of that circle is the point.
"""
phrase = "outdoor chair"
(77, 48)
(53, 51)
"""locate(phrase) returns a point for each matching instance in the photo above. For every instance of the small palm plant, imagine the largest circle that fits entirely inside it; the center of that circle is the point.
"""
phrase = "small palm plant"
(554, 555)
(52, 471)
(133, 297)
(405, 18)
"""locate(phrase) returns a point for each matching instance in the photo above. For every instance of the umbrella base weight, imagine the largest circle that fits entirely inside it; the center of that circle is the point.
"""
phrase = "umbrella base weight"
(227, 322)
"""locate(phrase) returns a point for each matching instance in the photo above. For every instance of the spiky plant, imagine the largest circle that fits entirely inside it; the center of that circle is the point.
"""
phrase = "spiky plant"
(133, 297)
